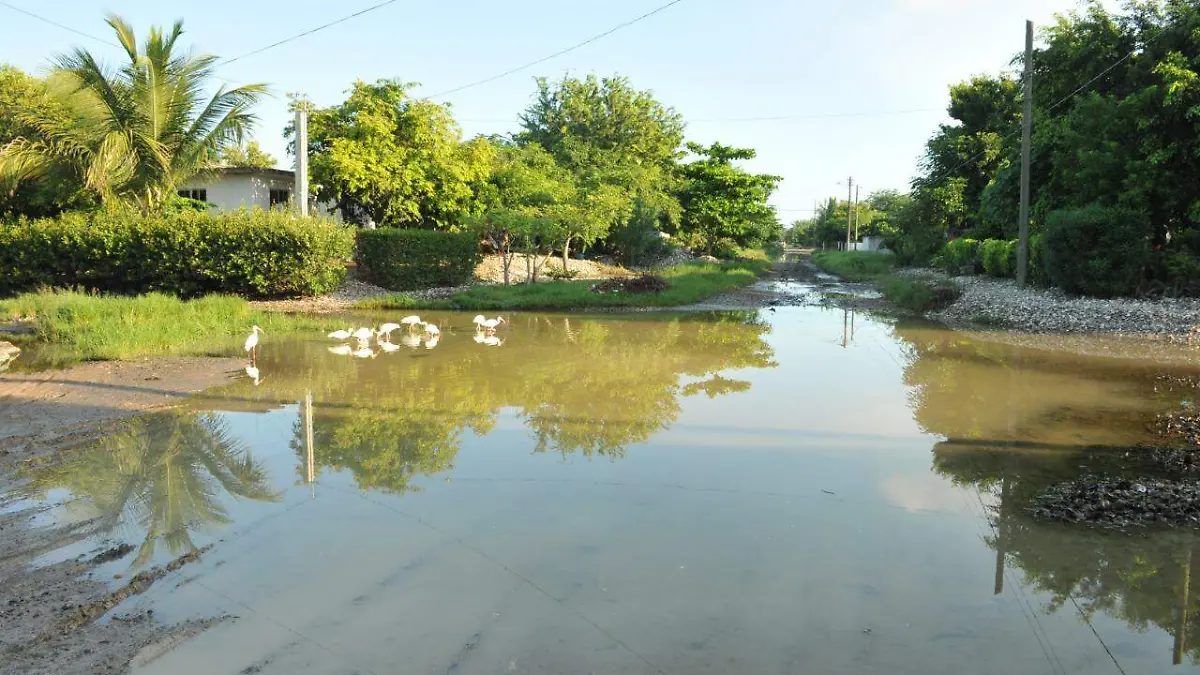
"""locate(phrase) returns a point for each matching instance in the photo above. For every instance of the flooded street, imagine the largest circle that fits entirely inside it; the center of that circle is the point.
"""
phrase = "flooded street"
(804, 490)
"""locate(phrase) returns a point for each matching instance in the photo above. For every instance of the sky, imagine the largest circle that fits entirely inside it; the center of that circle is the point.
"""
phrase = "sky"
(862, 83)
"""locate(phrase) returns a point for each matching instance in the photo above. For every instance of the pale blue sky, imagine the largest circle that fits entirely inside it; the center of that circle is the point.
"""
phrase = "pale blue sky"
(710, 59)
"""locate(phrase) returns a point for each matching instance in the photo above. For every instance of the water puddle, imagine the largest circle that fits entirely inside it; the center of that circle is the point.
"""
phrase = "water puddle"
(798, 491)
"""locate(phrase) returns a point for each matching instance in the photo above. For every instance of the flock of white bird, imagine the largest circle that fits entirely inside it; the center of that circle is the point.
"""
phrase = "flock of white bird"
(416, 333)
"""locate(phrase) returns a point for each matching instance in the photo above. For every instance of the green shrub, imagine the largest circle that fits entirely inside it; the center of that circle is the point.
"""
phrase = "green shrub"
(187, 253)
(409, 259)
(960, 256)
(1096, 250)
(998, 257)
(1037, 262)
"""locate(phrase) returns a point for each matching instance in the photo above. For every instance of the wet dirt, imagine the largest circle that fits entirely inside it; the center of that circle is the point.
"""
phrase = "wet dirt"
(48, 613)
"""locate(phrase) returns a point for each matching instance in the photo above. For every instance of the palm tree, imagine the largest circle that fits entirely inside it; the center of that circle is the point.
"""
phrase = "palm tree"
(135, 132)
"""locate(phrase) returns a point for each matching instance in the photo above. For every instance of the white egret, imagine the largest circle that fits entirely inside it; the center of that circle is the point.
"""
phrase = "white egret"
(431, 342)
(411, 322)
(364, 334)
(432, 330)
(252, 343)
(340, 335)
(389, 347)
(364, 353)
(491, 324)
(341, 350)
(478, 321)
(387, 329)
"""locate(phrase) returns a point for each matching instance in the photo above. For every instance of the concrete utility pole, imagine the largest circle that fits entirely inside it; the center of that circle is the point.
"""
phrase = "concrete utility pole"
(302, 159)
(1026, 162)
(849, 213)
(856, 213)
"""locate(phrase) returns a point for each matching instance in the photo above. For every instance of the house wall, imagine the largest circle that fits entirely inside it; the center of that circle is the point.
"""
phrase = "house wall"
(230, 193)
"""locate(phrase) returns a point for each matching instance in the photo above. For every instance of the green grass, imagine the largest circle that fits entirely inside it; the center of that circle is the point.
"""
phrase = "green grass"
(690, 283)
(855, 265)
(73, 326)
(916, 295)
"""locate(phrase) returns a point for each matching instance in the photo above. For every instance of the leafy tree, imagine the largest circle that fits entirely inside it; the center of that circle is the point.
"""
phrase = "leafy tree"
(134, 133)
(249, 155)
(398, 160)
(61, 188)
(616, 141)
(723, 201)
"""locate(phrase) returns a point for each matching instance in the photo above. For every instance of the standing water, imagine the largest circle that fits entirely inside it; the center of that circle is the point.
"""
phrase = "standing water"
(804, 491)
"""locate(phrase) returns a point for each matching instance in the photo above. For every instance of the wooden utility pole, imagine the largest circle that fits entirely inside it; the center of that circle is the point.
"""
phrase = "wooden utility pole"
(1026, 161)
(302, 159)
(849, 213)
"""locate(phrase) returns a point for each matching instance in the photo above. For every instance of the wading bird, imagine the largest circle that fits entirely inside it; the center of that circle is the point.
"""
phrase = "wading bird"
(340, 335)
(364, 335)
(488, 325)
(252, 343)
(411, 322)
(432, 330)
(387, 329)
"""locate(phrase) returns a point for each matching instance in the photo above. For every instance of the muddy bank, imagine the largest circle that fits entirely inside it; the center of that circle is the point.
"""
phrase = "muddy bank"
(41, 412)
(48, 615)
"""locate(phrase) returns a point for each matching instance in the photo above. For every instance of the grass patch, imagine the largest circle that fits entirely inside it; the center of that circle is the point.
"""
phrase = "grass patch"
(913, 294)
(689, 283)
(72, 326)
(855, 265)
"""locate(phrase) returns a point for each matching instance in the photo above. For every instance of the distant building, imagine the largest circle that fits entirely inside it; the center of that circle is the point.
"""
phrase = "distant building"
(233, 188)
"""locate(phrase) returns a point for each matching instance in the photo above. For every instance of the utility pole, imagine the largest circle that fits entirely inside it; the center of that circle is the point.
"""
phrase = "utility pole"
(849, 213)
(1026, 162)
(302, 158)
(857, 215)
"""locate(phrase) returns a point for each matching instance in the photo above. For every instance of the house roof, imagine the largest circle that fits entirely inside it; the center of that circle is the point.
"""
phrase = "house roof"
(250, 170)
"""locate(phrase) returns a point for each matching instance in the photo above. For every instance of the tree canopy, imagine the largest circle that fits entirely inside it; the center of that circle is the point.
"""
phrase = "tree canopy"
(722, 201)
(133, 133)
(248, 155)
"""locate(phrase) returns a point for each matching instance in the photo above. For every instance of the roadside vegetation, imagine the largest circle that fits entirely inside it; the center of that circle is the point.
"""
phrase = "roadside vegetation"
(71, 326)
(684, 284)
(1114, 209)
(910, 293)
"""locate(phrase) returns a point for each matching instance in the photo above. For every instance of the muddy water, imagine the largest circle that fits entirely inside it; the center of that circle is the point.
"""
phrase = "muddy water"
(800, 491)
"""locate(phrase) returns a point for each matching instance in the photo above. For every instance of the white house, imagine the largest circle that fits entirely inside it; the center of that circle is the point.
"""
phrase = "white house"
(233, 188)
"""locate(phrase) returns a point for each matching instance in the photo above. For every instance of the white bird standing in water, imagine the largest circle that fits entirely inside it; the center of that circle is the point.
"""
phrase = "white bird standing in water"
(252, 343)
(341, 350)
(490, 325)
(387, 329)
(411, 322)
(364, 335)
(478, 321)
(340, 335)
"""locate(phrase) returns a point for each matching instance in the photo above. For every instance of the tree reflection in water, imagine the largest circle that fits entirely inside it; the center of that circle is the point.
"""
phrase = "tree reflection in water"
(1020, 420)
(579, 385)
(160, 475)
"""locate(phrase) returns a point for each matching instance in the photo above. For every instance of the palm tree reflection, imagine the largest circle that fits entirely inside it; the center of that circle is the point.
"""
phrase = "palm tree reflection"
(160, 475)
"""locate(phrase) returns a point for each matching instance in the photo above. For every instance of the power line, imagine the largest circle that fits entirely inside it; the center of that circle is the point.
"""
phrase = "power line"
(308, 32)
(59, 25)
(557, 54)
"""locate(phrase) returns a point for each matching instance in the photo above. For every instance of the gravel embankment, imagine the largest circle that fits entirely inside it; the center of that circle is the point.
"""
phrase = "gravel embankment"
(998, 302)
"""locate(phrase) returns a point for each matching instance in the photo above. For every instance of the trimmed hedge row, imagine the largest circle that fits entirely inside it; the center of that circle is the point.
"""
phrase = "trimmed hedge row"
(249, 253)
(409, 259)
(1097, 250)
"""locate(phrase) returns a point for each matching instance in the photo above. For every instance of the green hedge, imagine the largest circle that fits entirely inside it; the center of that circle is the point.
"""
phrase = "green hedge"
(1099, 251)
(998, 257)
(250, 253)
(410, 259)
(960, 256)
